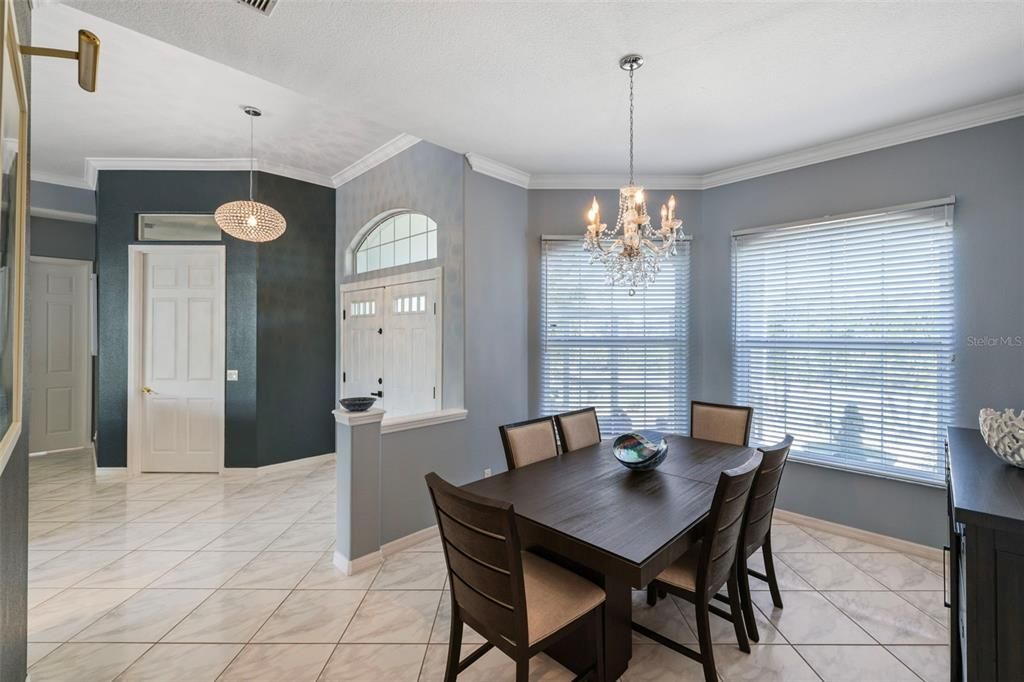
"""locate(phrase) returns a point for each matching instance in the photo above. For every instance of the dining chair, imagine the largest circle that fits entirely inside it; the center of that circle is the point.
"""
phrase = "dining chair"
(707, 566)
(720, 423)
(757, 529)
(528, 441)
(578, 429)
(516, 600)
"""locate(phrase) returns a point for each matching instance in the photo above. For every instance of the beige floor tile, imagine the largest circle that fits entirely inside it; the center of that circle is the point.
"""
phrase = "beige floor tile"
(128, 536)
(789, 538)
(145, 617)
(38, 557)
(764, 663)
(228, 616)
(365, 662)
(933, 565)
(181, 663)
(896, 571)
(443, 623)
(888, 618)
(931, 663)
(205, 569)
(855, 663)
(274, 570)
(137, 569)
(842, 543)
(412, 571)
(809, 618)
(37, 650)
(311, 616)
(931, 603)
(430, 545)
(247, 537)
(71, 567)
(174, 511)
(70, 535)
(787, 578)
(492, 667)
(75, 510)
(124, 511)
(722, 631)
(229, 511)
(86, 662)
(656, 663)
(394, 617)
(321, 512)
(188, 536)
(829, 571)
(665, 618)
(276, 662)
(304, 537)
(37, 595)
(281, 511)
(326, 576)
(64, 615)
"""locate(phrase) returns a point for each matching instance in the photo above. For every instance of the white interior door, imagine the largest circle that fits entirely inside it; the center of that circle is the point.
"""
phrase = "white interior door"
(60, 365)
(410, 348)
(363, 322)
(182, 360)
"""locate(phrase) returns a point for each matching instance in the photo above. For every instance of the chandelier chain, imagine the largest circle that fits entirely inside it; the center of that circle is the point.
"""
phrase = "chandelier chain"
(631, 126)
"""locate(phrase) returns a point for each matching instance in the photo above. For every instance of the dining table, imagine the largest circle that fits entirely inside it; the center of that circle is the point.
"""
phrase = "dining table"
(615, 526)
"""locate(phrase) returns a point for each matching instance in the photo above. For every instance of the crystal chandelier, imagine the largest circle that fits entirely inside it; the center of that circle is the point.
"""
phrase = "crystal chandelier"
(250, 220)
(632, 252)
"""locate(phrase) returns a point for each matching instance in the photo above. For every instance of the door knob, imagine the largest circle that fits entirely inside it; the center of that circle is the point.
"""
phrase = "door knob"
(379, 394)
(147, 389)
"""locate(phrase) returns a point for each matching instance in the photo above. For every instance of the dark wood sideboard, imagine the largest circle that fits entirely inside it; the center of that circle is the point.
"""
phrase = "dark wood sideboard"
(985, 588)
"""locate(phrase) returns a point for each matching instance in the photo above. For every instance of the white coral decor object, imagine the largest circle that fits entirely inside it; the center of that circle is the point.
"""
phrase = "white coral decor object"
(1004, 433)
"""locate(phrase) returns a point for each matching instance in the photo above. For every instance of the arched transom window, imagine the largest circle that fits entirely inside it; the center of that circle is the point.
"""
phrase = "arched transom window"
(397, 240)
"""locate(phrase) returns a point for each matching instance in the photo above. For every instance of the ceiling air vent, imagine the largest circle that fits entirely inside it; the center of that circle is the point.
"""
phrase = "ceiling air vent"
(264, 7)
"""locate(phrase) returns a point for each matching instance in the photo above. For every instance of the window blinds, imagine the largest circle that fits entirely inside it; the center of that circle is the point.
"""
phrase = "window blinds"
(843, 333)
(625, 355)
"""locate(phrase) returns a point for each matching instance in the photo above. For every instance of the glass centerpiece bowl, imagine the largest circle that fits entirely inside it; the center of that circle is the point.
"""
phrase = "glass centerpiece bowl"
(640, 450)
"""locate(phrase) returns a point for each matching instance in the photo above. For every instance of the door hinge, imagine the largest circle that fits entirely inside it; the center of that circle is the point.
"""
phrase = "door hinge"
(435, 308)
(343, 313)
(435, 392)
(342, 377)
(380, 330)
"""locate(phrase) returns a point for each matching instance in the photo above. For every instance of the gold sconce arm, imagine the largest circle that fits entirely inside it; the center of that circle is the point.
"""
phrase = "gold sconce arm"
(88, 56)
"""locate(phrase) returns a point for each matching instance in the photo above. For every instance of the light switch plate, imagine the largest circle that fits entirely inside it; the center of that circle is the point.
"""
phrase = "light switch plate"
(232, 375)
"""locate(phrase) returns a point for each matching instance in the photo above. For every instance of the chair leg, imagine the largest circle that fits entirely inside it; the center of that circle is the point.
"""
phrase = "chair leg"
(737, 615)
(523, 669)
(743, 582)
(769, 570)
(599, 643)
(652, 595)
(704, 638)
(451, 671)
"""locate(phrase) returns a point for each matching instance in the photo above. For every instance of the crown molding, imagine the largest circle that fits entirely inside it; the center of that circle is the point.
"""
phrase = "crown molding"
(498, 170)
(57, 179)
(932, 126)
(93, 165)
(392, 147)
(589, 182)
(57, 214)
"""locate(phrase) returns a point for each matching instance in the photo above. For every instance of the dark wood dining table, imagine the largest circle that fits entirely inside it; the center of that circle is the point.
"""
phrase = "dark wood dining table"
(617, 527)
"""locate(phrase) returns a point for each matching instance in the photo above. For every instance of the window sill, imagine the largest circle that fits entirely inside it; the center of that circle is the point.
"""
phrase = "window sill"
(417, 421)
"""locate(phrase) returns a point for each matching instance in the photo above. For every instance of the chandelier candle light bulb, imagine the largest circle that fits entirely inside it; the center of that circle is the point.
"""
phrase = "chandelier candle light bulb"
(632, 252)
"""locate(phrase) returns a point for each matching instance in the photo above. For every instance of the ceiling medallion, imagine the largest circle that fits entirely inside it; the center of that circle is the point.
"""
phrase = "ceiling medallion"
(632, 252)
(249, 220)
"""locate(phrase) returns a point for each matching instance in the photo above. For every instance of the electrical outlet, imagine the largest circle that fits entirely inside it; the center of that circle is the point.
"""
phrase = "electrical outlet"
(232, 375)
(487, 472)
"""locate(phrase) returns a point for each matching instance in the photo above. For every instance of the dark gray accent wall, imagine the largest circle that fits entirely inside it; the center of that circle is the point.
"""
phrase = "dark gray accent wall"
(121, 195)
(14, 481)
(62, 239)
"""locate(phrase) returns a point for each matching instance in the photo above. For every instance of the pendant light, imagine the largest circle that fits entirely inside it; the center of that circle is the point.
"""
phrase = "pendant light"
(249, 220)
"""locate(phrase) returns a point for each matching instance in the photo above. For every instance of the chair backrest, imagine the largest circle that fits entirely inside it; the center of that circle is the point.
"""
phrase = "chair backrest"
(485, 567)
(578, 429)
(720, 423)
(529, 441)
(762, 497)
(723, 526)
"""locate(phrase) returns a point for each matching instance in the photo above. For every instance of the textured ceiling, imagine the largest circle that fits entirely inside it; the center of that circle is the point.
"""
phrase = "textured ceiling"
(536, 84)
(155, 100)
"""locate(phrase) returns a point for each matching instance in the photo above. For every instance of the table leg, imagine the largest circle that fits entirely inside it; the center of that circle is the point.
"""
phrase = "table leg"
(576, 651)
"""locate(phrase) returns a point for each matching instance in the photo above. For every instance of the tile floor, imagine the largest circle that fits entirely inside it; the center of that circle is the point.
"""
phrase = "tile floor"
(200, 577)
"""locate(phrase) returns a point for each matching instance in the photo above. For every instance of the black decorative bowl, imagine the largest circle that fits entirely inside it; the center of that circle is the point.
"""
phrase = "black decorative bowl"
(641, 450)
(357, 404)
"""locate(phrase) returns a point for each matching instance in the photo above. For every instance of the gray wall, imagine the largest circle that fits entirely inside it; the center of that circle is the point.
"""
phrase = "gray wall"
(63, 198)
(278, 297)
(14, 483)
(482, 247)
(984, 168)
(62, 239)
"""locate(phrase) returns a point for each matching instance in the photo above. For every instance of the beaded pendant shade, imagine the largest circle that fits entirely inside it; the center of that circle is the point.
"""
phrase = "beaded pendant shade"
(250, 220)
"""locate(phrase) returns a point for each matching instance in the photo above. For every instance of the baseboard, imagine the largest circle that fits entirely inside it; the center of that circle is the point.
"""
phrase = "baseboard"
(895, 544)
(410, 540)
(279, 467)
(351, 567)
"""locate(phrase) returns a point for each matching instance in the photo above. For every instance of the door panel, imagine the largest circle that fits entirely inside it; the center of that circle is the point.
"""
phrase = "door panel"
(363, 345)
(60, 366)
(183, 361)
(410, 348)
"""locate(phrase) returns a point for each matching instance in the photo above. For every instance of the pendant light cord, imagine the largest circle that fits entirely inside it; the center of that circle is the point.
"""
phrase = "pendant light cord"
(252, 154)
(631, 126)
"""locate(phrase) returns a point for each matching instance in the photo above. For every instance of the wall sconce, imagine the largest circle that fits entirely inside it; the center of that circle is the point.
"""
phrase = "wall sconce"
(88, 56)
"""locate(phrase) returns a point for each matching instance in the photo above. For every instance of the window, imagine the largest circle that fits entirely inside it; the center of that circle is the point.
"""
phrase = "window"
(625, 355)
(843, 333)
(399, 239)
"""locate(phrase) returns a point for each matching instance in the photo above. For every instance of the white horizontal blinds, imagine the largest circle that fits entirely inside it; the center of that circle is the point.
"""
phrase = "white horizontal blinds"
(625, 355)
(843, 337)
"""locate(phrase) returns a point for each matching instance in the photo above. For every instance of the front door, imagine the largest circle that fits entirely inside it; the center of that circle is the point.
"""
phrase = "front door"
(182, 360)
(59, 370)
(363, 322)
